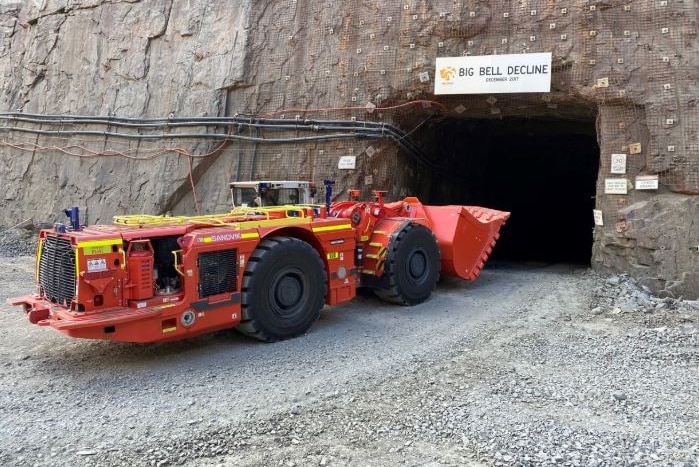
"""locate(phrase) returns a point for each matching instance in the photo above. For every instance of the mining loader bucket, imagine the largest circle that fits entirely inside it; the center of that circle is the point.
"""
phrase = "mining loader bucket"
(466, 236)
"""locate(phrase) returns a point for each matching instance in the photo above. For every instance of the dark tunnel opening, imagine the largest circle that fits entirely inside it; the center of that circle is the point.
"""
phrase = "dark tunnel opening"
(544, 171)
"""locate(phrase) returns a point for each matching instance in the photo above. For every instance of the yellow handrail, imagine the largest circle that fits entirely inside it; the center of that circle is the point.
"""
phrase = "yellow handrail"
(176, 264)
(231, 218)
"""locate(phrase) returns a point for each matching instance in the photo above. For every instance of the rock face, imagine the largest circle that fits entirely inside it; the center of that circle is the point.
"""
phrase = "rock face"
(633, 64)
(127, 59)
(656, 241)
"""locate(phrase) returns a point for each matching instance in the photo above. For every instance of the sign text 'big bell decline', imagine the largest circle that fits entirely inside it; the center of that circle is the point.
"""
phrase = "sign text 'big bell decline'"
(493, 74)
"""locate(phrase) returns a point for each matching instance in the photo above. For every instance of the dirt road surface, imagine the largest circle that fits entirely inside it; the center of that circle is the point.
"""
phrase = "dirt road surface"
(529, 365)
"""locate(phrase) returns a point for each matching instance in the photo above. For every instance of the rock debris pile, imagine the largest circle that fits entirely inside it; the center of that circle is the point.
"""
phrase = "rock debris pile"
(620, 294)
(17, 242)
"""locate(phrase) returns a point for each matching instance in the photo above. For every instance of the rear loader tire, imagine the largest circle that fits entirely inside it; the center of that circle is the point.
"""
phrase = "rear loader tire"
(412, 266)
(284, 287)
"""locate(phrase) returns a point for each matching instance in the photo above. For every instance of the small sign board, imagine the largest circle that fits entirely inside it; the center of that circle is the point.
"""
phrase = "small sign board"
(635, 148)
(618, 163)
(493, 74)
(647, 182)
(98, 264)
(615, 186)
(347, 162)
(597, 215)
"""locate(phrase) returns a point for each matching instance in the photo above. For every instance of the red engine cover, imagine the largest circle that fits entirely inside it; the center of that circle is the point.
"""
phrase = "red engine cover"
(140, 263)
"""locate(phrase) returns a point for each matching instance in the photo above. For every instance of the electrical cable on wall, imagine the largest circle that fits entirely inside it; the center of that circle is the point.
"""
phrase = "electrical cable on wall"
(259, 128)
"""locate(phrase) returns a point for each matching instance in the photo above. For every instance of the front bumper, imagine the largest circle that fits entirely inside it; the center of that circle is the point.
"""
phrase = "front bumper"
(156, 323)
(88, 325)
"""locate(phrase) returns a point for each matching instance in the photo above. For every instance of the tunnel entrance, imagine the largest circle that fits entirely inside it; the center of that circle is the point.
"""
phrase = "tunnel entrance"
(542, 170)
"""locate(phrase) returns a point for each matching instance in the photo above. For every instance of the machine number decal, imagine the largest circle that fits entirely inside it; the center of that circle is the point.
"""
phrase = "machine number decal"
(97, 250)
(98, 264)
(333, 255)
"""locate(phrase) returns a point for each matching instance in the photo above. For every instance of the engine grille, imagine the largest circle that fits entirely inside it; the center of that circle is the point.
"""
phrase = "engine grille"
(57, 270)
(218, 272)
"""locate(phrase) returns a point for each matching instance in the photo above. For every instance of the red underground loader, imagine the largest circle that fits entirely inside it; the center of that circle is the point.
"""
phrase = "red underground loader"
(265, 270)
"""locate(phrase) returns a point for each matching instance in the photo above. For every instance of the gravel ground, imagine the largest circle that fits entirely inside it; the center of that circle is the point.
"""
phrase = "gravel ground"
(530, 365)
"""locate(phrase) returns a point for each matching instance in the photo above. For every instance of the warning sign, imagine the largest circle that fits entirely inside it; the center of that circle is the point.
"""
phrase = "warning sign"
(647, 182)
(98, 264)
(597, 215)
(616, 186)
(347, 162)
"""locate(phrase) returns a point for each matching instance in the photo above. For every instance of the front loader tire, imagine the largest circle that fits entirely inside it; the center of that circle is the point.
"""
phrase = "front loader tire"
(412, 266)
(283, 290)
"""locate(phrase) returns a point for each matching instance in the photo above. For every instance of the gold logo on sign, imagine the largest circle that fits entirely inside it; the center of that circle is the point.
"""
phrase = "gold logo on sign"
(447, 73)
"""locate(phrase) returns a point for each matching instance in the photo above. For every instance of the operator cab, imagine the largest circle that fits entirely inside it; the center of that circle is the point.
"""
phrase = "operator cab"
(272, 193)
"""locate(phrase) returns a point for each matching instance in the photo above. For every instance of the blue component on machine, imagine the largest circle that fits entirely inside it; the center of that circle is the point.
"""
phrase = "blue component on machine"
(328, 192)
(74, 214)
(59, 227)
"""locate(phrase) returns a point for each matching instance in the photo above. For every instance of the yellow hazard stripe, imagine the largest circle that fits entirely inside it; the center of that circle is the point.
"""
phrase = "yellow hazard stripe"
(286, 221)
(38, 259)
(330, 228)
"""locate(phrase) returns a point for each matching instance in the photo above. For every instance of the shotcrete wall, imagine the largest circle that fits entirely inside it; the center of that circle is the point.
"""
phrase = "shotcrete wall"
(634, 63)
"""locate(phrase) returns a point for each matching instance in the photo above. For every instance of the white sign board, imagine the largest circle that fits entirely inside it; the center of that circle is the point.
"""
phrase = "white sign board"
(493, 74)
(618, 163)
(597, 215)
(647, 182)
(615, 186)
(347, 162)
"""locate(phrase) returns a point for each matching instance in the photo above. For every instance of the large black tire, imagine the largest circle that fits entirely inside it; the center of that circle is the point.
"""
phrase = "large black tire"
(284, 288)
(412, 266)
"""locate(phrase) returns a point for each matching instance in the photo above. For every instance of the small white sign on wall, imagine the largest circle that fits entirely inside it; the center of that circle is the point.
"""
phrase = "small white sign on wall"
(597, 215)
(347, 162)
(618, 163)
(647, 182)
(616, 186)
